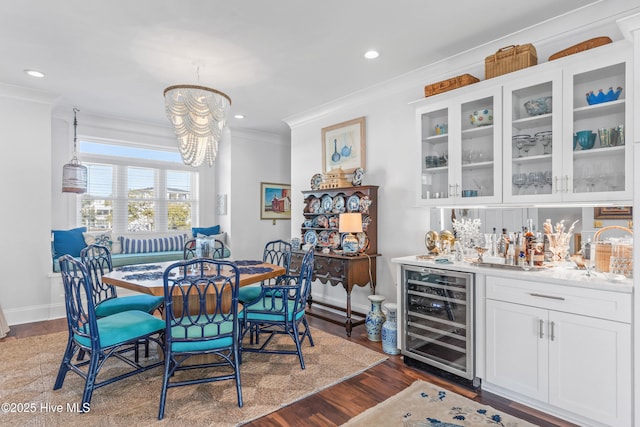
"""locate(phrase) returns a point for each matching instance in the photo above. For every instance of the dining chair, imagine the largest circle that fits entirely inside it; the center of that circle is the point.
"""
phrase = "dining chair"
(275, 252)
(113, 335)
(97, 259)
(201, 314)
(280, 309)
(217, 252)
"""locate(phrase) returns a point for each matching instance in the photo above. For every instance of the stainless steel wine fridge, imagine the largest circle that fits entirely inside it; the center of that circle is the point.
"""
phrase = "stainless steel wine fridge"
(438, 319)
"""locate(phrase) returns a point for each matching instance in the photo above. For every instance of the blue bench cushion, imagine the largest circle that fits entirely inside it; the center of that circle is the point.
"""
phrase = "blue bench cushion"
(120, 260)
(158, 244)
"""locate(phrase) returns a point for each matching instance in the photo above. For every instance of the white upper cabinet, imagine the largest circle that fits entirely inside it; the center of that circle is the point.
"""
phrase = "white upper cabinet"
(547, 141)
(461, 149)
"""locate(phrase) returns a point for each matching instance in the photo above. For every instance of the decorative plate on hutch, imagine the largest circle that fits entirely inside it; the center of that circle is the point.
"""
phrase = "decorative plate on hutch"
(316, 180)
(353, 203)
(327, 203)
(311, 237)
(338, 204)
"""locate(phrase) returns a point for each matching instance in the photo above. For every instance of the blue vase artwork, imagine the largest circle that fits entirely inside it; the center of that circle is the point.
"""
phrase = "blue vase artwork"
(375, 318)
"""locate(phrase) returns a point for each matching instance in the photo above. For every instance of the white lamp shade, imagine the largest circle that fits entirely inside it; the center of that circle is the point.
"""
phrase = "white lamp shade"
(350, 223)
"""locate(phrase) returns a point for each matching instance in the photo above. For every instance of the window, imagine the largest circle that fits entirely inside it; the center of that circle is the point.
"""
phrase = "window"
(134, 189)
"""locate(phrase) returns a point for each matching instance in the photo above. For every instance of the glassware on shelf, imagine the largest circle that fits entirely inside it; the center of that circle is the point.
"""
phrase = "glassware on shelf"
(519, 141)
(545, 139)
(528, 144)
(519, 179)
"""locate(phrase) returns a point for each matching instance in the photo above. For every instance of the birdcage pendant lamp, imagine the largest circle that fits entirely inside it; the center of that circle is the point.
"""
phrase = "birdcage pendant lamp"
(74, 174)
(199, 116)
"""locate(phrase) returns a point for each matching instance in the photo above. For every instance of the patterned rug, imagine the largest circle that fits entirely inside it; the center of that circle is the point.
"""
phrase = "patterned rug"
(424, 405)
(29, 367)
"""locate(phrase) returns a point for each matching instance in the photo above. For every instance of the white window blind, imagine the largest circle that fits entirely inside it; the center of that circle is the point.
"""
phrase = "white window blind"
(137, 189)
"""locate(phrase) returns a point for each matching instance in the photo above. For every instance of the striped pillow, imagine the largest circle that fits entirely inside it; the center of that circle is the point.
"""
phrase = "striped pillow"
(160, 244)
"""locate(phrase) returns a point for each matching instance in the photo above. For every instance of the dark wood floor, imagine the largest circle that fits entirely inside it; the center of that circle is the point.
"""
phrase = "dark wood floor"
(339, 403)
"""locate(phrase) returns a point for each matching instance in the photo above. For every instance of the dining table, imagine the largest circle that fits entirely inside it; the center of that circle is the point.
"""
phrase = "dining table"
(148, 279)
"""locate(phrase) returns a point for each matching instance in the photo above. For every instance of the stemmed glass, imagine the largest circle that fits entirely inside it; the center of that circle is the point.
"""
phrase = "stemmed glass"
(519, 141)
(548, 179)
(545, 139)
(519, 179)
(531, 142)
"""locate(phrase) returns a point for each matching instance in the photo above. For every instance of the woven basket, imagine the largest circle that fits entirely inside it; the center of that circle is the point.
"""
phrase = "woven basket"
(581, 47)
(449, 84)
(509, 59)
(601, 249)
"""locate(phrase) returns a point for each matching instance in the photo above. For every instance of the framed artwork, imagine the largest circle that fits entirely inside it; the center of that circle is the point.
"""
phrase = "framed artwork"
(275, 201)
(343, 146)
(613, 212)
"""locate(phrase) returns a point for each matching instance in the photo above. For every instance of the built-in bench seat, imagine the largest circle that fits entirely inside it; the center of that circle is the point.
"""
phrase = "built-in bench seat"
(138, 249)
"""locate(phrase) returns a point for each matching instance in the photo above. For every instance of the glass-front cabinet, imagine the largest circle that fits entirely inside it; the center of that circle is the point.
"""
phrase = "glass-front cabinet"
(460, 149)
(597, 154)
(533, 141)
(555, 132)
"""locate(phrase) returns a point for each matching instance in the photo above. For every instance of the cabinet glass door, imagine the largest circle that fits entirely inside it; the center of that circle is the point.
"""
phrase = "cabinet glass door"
(434, 131)
(480, 121)
(599, 164)
(533, 139)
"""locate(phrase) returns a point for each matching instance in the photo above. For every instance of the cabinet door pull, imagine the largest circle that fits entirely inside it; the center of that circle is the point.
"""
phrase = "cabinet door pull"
(566, 183)
(541, 328)
(450, 190)
(457, 190)
(546, 296)
(552, 326)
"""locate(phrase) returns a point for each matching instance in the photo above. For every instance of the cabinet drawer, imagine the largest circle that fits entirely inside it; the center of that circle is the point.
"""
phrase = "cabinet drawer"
(589, 302)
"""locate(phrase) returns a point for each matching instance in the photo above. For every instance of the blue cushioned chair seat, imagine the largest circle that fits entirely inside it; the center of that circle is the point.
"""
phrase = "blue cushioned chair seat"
(142, 302)
(122, 327)
(249, 293)
(210, 331)
(268, 304)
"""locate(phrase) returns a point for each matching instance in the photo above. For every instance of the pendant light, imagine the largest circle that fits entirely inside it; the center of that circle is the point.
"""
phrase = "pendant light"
(198, 115)
(74, 175)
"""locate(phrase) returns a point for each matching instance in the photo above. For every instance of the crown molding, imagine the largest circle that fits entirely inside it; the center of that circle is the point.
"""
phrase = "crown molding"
(26, 94)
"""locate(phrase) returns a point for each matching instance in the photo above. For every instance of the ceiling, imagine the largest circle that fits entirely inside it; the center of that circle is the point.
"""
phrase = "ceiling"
(273, 58)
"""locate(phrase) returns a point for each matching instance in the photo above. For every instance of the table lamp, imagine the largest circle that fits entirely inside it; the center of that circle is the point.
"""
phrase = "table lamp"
(350, 223)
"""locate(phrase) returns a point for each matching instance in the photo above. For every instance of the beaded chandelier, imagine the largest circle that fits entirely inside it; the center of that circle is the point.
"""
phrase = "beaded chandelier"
(198, 115)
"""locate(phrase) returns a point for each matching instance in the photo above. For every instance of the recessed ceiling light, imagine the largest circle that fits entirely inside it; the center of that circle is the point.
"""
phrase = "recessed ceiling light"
(34, 73)
(371, 54)
(239, 116)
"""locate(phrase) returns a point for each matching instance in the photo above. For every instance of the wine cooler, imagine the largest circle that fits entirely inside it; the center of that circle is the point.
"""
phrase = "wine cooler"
(438, 319)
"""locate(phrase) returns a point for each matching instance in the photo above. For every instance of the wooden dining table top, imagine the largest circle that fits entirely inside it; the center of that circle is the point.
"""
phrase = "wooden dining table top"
(140, 278)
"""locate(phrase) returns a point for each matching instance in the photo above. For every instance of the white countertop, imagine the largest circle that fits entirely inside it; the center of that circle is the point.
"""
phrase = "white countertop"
(568, 276)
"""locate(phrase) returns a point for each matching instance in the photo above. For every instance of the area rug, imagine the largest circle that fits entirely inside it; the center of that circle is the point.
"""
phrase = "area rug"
(424, 405)
(28, 368)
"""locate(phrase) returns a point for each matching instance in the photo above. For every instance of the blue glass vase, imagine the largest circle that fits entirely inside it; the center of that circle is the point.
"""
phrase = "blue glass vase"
(375, 318)
(390, 330)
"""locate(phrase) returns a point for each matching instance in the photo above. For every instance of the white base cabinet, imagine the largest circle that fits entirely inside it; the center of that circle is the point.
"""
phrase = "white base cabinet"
(548, 343)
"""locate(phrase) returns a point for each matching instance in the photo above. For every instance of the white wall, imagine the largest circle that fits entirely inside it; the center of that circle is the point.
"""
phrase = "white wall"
(25, 172)
(255, 158)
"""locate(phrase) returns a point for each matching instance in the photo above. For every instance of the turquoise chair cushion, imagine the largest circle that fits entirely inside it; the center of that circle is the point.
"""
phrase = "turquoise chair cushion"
(122, 327)
(266, 305)
(142, 302)
(249, 293)
(202, 344)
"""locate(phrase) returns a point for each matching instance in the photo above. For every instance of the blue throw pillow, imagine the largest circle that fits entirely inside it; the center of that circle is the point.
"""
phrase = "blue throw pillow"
(207, 231)
(68, 242)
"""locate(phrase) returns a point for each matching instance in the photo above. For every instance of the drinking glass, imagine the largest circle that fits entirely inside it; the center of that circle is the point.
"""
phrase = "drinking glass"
(528, 144)
(519, 141)
(519, 179)
(545, 139)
